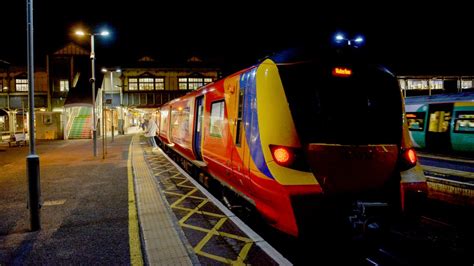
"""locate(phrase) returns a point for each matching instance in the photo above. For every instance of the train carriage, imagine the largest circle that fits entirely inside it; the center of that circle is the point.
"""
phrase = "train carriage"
(443, 122)
(297, 131)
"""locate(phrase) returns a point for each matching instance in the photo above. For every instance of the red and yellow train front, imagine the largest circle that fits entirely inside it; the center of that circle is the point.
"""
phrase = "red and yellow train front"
(318, 133)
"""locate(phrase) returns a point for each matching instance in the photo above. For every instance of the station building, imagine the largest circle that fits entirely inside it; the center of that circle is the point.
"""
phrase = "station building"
(413, 85)
(63, 92)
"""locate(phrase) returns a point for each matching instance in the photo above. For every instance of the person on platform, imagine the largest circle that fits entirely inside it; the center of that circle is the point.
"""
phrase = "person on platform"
(151, 133)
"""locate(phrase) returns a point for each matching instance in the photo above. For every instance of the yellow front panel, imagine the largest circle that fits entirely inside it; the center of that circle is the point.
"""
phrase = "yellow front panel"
(276, 124)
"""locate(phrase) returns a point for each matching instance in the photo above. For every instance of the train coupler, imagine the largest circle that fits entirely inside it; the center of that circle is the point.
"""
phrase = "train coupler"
(367, 216)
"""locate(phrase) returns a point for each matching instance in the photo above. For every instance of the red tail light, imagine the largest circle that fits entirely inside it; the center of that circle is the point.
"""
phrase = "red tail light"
(282, 155)
(290, 157)
(408, 158)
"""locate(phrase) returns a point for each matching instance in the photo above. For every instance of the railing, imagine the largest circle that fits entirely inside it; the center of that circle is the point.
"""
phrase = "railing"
(72, 115)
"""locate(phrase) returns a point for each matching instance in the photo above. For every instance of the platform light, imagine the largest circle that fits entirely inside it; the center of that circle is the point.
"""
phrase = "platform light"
(359, 39)
(341, 39)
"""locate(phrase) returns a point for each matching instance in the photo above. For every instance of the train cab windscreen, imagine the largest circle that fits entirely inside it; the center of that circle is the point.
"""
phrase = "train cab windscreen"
(343, 104)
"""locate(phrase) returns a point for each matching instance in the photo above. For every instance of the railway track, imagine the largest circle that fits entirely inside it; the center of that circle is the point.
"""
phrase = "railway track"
(441, 235)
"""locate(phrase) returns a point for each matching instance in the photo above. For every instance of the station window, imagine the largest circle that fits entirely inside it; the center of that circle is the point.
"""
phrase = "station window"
(464, 122)
(417, 84)
(217, 119)
(132, 84)
(416, 121)
(21, 84)
(64, 85)
(146, 84)
(436, 84)
(466, 84)
(192, 83)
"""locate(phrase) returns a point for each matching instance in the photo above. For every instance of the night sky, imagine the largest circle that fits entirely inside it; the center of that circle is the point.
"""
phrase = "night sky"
(405, 38)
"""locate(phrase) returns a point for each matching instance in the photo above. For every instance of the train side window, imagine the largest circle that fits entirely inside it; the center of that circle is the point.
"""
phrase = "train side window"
(416, 121)
(439, 121)
(238, 132)
(165, 120)
(217, 119)
(464, 122)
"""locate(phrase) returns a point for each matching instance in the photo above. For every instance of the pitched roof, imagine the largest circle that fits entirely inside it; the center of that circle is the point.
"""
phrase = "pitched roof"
(72, 49)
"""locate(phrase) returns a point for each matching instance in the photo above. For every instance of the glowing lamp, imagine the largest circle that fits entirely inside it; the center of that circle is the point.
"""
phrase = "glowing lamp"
(410, 156)
(281, 155)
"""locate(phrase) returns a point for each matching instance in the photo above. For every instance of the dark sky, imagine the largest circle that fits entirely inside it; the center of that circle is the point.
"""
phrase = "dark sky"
(405, 38)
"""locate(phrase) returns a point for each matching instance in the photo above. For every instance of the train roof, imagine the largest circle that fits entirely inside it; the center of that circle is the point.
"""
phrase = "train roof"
(326, 55)
(442, 98)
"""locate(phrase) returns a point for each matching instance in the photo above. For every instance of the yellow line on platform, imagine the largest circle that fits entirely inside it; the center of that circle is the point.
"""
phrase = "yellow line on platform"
(136, 257)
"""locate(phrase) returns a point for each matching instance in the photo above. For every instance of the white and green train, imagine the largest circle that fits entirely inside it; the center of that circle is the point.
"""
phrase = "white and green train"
(442, 122)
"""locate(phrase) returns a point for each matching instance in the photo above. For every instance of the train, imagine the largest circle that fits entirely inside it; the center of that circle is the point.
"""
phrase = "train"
(442, 122)
(299, 136)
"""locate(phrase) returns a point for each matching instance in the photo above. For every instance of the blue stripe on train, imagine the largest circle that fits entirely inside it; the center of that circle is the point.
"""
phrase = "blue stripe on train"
(248, 83)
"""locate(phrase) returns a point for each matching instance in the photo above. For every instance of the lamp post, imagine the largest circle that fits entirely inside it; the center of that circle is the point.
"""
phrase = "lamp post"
(32, 160)
(112, 91)
(94, 130)
(121, 119)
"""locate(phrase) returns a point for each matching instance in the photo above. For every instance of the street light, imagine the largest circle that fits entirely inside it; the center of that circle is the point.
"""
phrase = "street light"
(94, 130)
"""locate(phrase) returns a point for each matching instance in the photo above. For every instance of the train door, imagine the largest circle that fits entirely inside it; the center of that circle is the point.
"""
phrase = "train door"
(437, 135)
(198, 127)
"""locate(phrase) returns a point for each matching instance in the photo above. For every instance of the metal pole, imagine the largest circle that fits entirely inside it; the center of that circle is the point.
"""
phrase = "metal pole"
(23, 117)
(32, 160)
(105, 127)
(112, 110)
(103, 124)
(112, 115)
(121, 120)
(94, 131)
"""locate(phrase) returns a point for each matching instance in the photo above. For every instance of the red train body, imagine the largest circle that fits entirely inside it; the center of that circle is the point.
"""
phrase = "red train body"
(295, 132)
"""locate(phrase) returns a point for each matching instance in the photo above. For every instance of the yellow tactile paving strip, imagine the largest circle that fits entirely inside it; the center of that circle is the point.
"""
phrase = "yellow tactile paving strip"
(136, 256)
(162, 243)
(213, 236)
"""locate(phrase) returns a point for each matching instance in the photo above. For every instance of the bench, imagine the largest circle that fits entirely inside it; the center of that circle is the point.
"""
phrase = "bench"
(18, 139)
